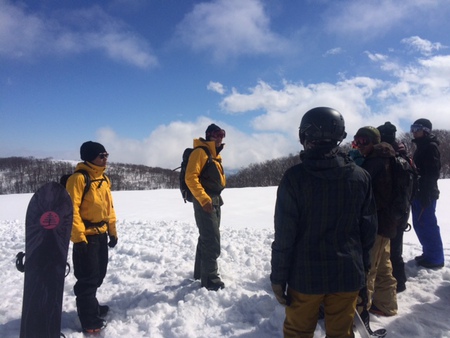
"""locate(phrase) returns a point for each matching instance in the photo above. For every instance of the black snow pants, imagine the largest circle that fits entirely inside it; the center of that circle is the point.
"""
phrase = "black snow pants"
(398, 265)
(90, 270)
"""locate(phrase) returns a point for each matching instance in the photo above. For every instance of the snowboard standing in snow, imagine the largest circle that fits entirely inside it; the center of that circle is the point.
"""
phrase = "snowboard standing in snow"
(360, 327)
(362, 324)
(48, 226)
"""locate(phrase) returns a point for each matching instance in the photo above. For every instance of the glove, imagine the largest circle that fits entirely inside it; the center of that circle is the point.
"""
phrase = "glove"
(424, 200)
(363, 299)
(112, 241)
(280, 295)
(208, 207)
(80, 247)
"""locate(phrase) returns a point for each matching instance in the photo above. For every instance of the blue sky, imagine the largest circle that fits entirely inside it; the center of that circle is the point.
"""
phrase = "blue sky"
(145, 77)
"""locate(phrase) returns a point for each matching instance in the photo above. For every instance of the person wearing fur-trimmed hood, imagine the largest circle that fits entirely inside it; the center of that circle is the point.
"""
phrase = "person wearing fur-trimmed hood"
(381, 284)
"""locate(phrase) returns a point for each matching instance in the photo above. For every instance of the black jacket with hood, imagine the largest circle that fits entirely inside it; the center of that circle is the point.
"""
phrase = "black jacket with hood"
(378, 164)
(427, 159)
(325, 225)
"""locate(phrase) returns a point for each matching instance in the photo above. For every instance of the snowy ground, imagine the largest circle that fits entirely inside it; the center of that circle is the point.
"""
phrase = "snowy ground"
(149, 284)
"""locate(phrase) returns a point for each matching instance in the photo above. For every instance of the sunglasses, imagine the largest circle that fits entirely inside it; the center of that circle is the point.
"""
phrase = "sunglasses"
(103, 155)
(359, 141)
(218, 134)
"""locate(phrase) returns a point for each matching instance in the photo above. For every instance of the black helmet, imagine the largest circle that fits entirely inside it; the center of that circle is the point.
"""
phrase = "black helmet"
(322, 124)
(387, 132)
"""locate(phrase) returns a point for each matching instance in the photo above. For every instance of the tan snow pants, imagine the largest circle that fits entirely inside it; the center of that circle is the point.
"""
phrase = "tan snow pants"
(381, 284)
(303, 312)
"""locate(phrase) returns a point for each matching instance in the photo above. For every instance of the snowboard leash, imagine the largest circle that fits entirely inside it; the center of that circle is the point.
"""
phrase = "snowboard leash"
(68, 269)
(21, 266)
(19, 261)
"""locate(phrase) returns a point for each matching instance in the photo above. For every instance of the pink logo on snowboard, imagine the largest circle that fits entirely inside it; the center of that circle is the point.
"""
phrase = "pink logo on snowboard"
(49, 220)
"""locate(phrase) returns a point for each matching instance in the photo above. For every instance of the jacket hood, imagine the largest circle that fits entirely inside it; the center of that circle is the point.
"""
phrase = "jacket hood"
(93, 170)
(382, 149)
(431, 138)
(210, 144)
(331, 165)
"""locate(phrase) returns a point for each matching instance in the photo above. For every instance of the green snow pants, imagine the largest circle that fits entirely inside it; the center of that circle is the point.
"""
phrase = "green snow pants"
(208, 245)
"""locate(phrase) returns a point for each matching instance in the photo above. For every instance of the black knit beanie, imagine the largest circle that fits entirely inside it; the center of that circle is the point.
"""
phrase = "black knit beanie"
(211, 128)
(89, 150)
(424, 123)
(387, 132)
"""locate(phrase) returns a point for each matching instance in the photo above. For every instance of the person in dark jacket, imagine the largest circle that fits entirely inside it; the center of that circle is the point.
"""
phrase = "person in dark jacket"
(428, 162)
(325, 226)
(381, 284)
(206, 181)
(388, 133)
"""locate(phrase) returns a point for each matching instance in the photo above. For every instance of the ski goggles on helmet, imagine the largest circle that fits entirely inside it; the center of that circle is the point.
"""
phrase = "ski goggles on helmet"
(418, 127)
(359, 141)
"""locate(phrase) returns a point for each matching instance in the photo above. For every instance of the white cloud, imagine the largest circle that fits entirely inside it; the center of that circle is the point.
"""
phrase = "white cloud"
(376, 56)
(20, 33)
(421, 90)
(423, 46)
(334, 51)
(152, 152)
(418, 89)
(216, 87)
(230, 28)
(25, 35)
(282, 108)
(374, 18)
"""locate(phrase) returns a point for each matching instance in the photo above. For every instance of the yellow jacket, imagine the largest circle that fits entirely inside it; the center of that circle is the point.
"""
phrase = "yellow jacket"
(197, 161)
(97, 205)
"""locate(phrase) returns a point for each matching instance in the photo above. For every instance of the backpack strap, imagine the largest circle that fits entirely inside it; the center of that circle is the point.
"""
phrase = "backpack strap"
(101, 180)
(206, 149)
(87, 179)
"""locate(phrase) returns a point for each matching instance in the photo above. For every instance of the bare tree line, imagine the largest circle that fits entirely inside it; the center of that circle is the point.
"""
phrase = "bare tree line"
(269, 173)
(26, 174)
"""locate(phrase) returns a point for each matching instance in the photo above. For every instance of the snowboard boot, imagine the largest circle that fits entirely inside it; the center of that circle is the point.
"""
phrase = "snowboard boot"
(214, 285)
(424, 263)
(376, 311)
(401, 287)
(89, 314)
(103, 310)
(93, 325)
(418, 258)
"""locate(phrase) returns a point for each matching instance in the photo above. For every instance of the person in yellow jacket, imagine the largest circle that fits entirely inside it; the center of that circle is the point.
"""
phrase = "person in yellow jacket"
(94, 219)
(206, 180)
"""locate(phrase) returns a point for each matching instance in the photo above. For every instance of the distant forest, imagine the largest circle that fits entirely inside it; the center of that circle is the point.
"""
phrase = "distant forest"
(27, 174)
(269, 173)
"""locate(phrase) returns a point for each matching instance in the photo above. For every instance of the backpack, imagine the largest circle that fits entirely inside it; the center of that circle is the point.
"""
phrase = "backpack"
(405, 179)
(87, 179)
(185, 192)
